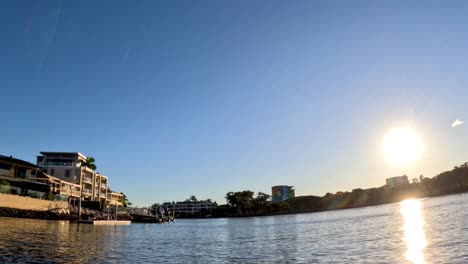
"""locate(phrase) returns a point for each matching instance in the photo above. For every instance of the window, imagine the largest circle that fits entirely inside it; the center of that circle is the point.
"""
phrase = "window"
(5, 166)
(21, 173)
(67, 173)
(52, 172)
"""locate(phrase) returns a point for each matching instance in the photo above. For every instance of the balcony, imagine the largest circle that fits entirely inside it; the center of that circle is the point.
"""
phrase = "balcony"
(103, 185)
(86, 191)
(103, 195)
(54, 163)
(87, 180)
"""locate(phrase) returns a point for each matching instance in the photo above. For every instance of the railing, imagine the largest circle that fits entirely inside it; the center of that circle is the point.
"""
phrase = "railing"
(103, 185)
(55, 163)
(87, 191)
(70, 192)
(103, 195)
(87, 179)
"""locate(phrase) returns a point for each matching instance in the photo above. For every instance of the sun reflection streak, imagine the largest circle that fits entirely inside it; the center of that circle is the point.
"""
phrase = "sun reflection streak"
(415, 240)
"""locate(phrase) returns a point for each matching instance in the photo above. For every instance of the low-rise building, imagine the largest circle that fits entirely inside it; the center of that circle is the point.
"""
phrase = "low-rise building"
(62, 190)
(190, 207)
(57, 176)
(15, 168)
(18, 177)
(397, 181)
(114, 198)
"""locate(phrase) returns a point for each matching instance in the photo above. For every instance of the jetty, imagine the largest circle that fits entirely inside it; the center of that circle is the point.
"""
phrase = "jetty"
(105, 222)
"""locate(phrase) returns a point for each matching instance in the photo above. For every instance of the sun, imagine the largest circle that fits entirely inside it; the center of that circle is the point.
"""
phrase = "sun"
(402, 146)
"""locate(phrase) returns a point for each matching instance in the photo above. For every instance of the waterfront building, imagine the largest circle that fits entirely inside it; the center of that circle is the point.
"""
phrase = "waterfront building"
(114, 198)
(100, 188)
(62, 190)
(67, 166)
(18, 177)
(190, 207)
(397, 181)
(281, 193)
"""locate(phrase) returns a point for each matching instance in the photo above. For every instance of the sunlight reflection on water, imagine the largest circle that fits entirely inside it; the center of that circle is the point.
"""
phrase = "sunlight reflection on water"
(414, 237)
(432, 230)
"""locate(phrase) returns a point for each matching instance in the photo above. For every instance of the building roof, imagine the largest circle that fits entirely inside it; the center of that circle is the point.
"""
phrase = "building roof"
(43, 175)
(62, 153)
(17, 161)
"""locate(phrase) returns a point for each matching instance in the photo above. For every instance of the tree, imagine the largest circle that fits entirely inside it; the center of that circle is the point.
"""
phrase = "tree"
(124, 200)
(260, 202)
(231, 199)
(241, 202)
(4, 186)
(192, 198)
(154, 208)
(89, 163)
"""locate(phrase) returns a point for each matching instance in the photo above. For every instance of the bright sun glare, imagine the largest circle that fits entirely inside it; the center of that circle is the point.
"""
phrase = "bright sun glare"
(402, 146)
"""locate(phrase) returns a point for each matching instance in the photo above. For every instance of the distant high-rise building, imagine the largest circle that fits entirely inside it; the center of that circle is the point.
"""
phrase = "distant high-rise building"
(281, 193)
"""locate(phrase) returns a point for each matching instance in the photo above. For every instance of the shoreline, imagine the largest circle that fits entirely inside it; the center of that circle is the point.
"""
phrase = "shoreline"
(48, 215)
(318, 211)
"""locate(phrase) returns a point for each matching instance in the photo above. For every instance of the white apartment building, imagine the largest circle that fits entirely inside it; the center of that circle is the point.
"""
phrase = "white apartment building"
(397, 181)
(66, 166)
(189, 207)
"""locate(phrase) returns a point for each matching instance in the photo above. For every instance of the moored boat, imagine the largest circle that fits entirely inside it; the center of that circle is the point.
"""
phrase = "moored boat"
(145, 218)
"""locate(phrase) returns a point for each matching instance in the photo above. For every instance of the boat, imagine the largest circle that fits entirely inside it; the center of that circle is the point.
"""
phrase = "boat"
(145, 218)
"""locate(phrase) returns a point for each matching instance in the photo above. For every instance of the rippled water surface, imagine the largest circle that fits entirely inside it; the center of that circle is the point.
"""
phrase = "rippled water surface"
(420, 231)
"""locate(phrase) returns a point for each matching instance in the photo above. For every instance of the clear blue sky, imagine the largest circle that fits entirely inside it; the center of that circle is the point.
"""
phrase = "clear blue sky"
(175, 98)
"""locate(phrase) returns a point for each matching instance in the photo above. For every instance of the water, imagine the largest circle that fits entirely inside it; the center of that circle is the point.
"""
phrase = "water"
(422, 231)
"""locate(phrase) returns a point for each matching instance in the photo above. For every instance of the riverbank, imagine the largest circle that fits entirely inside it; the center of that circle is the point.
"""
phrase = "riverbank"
(245, 204)
(414, 196)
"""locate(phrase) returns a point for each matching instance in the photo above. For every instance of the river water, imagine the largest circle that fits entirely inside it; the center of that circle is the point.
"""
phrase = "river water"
(431, 230)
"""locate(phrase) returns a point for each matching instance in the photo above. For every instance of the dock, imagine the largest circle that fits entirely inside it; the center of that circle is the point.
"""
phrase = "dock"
(105, 222)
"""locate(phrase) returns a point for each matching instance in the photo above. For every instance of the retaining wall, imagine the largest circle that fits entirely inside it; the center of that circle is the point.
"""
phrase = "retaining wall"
(28, 203)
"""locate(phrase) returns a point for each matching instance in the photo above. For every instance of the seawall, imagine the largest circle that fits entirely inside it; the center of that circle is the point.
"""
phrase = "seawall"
(28, 203)
(27, 207)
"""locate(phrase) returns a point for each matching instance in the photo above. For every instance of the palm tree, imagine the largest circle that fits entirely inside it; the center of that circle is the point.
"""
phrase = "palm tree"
(124, 200)
(89, 163)
(193, 198)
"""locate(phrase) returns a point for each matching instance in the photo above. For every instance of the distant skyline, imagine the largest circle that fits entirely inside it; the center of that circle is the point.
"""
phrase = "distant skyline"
(174, 98)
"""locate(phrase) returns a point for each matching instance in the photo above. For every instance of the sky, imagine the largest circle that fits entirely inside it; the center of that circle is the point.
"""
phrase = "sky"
(174, 98)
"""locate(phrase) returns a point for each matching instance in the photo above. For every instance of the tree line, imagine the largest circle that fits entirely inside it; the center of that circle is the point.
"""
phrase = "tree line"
(245, 203)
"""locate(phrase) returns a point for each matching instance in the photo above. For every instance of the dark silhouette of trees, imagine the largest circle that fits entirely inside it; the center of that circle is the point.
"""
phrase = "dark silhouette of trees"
(192, 198)
(245, 204)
